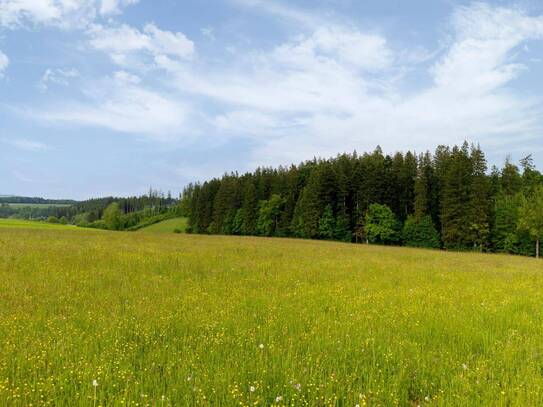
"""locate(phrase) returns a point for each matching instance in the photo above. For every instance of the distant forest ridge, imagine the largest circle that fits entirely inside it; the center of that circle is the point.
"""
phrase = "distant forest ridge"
(34, 200)
(448, 199)
(129, 212)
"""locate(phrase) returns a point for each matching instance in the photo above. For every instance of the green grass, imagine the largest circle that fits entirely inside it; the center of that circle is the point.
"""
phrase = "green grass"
(167, 226)
(186, 320)
(31, 224)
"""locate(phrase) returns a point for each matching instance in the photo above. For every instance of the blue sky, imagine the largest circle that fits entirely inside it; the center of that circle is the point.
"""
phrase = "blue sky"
(109, 97)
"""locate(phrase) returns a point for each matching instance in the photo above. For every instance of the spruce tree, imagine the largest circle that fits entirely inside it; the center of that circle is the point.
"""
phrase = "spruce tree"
(327, 224)
(455, 202)
(479, 201)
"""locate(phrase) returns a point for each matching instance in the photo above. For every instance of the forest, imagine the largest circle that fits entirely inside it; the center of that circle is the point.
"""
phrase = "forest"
(113, 213)
(449, 199)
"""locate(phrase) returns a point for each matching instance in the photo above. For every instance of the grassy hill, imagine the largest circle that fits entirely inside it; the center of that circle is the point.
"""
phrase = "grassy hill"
(167, 226)
(167, 319)
(29, 224)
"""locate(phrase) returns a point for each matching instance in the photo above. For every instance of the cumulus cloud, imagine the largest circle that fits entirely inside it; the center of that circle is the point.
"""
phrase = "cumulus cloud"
(109, 7)
(60, 13)
(123, 40)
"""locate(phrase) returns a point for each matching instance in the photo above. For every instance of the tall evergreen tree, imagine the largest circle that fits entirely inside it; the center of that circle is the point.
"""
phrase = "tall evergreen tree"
(455, 201)
(479, 200)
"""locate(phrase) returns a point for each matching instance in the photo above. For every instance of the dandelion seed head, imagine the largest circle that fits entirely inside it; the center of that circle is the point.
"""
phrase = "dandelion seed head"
(252, 389)
(95, 383)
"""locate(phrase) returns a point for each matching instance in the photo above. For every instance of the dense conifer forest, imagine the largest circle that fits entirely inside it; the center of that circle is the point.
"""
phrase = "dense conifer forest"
(448, 199)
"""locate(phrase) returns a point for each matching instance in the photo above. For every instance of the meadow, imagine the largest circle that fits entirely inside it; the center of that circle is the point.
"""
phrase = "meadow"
(167, 226)
(30, 224)
(115, 318)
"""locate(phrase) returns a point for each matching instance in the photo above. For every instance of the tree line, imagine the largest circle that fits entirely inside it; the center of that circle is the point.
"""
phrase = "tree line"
(448, 199)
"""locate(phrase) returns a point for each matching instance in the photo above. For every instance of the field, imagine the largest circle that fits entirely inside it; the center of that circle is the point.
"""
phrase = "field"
(30, 224)
(167, 226)
(178, 320)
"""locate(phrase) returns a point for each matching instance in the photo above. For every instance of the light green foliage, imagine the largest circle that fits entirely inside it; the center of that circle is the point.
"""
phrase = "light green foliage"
(186, 320)
(112, 216)
(381, 225)
(52, 219)
(268, 215)
(167, 226)
(530, 217)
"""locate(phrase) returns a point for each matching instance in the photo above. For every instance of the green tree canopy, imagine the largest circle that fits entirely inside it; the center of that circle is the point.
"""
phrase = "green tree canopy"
(112, 216)
(381, 225)
(531, 215)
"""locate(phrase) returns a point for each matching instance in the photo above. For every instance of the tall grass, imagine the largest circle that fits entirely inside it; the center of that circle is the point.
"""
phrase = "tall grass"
(141, 319)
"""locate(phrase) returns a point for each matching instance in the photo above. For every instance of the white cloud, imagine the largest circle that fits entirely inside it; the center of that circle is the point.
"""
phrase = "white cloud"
(480, 58)
(122, 41)
(332, 88)
(57, 77)
(59, 13)
(109, 7)
(338, 88)
(120, 104)
(4, 62)
(29, 145)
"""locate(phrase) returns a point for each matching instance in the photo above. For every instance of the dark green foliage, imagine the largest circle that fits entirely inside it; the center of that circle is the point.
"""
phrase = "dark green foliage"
(442, 200)
(505, 223)
(342, 231)
(420, 232)
(327, 224)
(249, 209)
(381, 225)
(455, 200)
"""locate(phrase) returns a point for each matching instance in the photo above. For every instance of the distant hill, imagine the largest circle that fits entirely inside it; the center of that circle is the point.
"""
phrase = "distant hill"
(34, 200)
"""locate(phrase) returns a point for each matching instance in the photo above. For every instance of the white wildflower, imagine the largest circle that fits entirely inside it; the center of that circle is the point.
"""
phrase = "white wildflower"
(95, 383)
(278, 399)
(261, 346)
(252, 389)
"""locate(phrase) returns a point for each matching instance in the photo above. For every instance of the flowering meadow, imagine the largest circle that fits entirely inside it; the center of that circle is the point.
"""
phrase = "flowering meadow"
(141, 319)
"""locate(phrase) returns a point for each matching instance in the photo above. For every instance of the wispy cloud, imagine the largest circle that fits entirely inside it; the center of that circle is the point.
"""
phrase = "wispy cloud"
(4, 62)
(333, 87)
(28, 145)
(57, 77)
